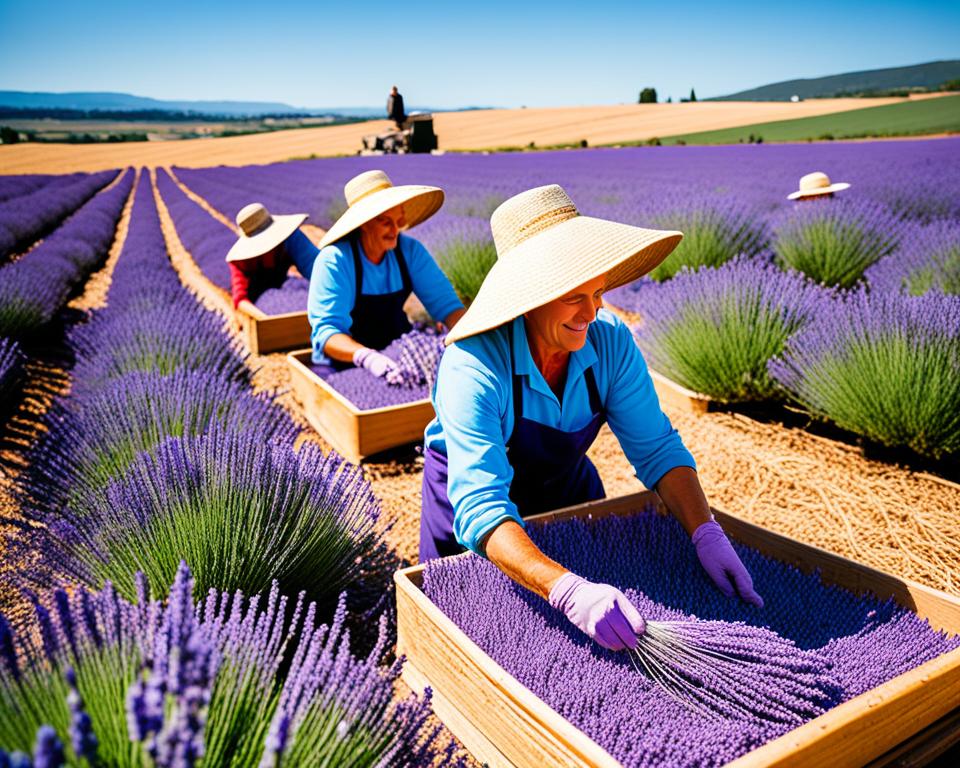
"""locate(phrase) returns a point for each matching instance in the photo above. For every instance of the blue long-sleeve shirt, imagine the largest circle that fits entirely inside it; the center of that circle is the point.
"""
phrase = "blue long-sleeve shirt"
(473, 398)
(333, 287)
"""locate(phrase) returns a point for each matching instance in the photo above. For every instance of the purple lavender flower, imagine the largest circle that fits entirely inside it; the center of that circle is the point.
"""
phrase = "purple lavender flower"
(48, 751)
(929, 260)
(82, 737)
(859, 365)
(418, 358)
(806, 651)
(8, 653)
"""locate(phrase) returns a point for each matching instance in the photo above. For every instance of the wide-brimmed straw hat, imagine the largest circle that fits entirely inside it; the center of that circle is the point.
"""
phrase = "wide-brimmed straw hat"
(372, 193)
(816, 183)
(260, 232)
(545, 249)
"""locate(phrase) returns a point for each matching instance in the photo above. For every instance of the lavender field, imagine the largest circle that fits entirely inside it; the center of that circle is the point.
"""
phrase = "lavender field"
(187, 576)
(714, 330)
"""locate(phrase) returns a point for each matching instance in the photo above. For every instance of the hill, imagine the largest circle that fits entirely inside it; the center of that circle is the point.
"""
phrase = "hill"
(929, 76)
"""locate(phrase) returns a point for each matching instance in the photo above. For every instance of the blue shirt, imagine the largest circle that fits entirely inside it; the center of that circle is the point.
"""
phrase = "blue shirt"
(333, 287)
(473, 399)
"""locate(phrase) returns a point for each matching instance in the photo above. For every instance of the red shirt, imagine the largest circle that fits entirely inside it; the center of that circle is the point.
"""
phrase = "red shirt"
(251, 277)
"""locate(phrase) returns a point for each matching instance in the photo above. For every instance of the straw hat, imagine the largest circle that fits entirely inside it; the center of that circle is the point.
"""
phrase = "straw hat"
(371, 193)
(545, 249)
(260, 232)
(816, 183)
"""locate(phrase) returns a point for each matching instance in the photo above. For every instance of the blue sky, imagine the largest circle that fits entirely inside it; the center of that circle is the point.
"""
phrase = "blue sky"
(320, 54)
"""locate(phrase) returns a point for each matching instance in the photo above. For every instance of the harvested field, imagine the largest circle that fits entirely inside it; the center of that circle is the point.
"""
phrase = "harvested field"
(472, 130)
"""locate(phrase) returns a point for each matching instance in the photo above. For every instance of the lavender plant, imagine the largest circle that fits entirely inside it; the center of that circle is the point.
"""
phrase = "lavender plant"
(148, 684)
(863, 363)
(929, 261)
(714, 330)
(244, 511)
(714, 231)
(11, 371)
(95, 438)
(834, 241)
(418, 358)
(811, 647)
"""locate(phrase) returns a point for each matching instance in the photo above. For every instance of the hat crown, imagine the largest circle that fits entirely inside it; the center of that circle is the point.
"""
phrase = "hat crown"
(253, 218)
(815, 180)
(528, 214)
(364, 185)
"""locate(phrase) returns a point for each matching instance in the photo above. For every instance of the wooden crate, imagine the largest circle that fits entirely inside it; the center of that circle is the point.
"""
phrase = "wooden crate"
(355, 434)
(270, 333)
(505, 725)
(673, 394)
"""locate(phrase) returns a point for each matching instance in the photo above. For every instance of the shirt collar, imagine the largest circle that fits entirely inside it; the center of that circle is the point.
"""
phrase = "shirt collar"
(580, 360)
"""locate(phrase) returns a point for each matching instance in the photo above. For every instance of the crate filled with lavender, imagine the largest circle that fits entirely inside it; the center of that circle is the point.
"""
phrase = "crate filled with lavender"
(359, 413)
(841, 664)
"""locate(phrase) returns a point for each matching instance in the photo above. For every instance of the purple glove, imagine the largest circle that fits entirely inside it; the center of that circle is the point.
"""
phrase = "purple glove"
(376, 362)
(601, 611)
(722, 564)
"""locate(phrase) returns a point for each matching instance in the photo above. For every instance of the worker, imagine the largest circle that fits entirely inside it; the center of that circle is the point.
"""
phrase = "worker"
(367, 268)
(268, 250)
(530, 373)
(395, 109)
(815, 186)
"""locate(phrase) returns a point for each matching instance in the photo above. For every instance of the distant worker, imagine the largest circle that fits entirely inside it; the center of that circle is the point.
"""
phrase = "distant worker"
(816, 185)
(268, 250)
(395, 110)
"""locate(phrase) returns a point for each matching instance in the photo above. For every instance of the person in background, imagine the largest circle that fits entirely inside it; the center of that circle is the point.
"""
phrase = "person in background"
(395, 109)
(269, 249)
(366, 270)
(816, 185)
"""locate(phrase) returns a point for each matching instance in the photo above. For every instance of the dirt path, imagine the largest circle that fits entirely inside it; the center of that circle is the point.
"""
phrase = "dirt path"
(475, 129)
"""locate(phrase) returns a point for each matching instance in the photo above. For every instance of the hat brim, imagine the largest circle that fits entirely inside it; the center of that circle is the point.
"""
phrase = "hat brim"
(419, 203)
(838, 187)
(262, 242)
(554, 262)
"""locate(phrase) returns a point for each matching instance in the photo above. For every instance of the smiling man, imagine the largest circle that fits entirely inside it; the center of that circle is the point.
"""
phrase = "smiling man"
(367, 268)
(535, 368)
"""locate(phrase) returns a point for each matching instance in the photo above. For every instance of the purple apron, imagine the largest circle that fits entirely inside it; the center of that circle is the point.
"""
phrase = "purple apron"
(550, 470)
(377, 319)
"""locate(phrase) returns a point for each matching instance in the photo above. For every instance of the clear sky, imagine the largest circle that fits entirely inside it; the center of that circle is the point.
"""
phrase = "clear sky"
(493, 53)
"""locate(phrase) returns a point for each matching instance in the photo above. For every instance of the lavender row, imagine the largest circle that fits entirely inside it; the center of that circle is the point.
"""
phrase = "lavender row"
(11, 373)
(160, 451)
(17, 186)
(207, 239)
(35, 287)
(845, 641)
(25, 218)
(225, 680)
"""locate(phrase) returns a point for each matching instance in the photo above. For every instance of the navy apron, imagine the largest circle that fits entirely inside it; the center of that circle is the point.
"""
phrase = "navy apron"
(377, 319)
(550, 470)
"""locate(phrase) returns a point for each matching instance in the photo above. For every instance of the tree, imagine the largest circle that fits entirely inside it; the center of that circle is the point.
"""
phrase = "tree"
(648, 96)
(8, 135)
(693, 95)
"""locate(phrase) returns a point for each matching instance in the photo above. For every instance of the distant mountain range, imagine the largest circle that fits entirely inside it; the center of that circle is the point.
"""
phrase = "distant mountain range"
(125, 102)
(930, 76)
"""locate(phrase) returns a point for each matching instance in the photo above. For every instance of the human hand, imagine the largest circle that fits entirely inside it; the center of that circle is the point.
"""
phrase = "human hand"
(599, 610)
(376, 362)
(722, 564)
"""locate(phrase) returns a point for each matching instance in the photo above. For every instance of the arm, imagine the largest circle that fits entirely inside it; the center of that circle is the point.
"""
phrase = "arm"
(239, 285)
(431, 285)
(662, 462)
(329, 302)
(470, 399)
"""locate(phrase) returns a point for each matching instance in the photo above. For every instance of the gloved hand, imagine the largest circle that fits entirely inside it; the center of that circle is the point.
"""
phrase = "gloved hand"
(722, 564)
(601, 611)
(376, 362)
